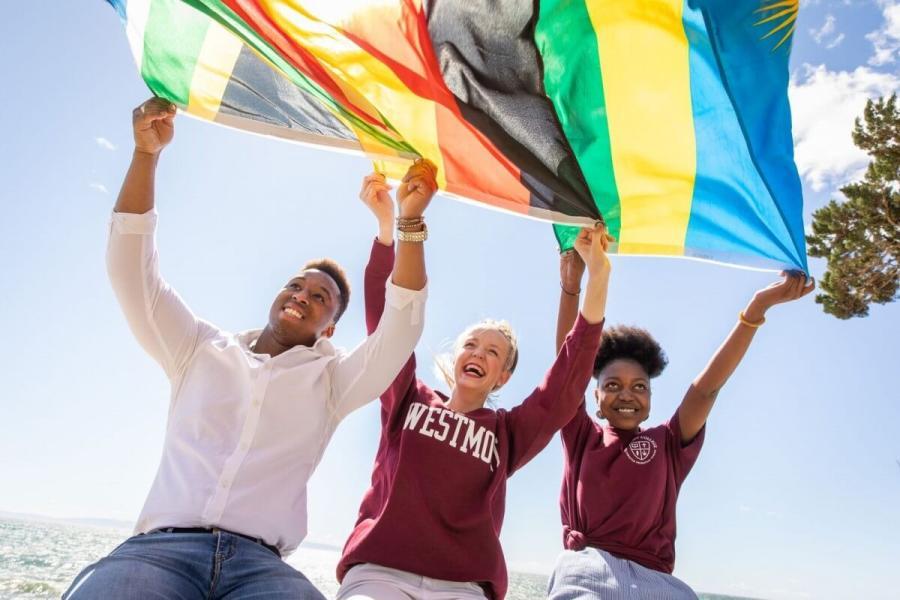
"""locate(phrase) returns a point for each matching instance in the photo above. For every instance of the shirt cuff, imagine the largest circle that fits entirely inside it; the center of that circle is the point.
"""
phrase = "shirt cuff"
(136, 224)
(398, 298)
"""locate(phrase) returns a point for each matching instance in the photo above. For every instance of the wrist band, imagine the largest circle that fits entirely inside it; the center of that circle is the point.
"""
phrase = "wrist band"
(413, 236)
(744, 321)
(567, 292)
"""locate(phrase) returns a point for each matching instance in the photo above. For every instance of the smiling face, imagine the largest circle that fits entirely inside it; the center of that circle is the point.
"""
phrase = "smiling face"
(483, 361)
(623, 394)
(305, 309)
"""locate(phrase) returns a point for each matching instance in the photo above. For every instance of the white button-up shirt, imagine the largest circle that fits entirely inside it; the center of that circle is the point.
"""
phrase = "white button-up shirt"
(245, 431)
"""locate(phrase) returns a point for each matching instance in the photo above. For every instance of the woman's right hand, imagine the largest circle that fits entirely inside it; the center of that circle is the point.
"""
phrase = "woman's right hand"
(591, 245)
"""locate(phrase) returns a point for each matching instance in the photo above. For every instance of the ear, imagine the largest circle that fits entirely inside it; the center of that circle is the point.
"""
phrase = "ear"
(504, 377)
(328, 331)
(597, 395)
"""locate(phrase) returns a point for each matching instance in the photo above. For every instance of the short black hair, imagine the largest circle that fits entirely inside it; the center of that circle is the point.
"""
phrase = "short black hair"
(337, 274)
(632, 343)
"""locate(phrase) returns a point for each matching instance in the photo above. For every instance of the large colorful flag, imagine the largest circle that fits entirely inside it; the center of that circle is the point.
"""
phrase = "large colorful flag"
(666, 119)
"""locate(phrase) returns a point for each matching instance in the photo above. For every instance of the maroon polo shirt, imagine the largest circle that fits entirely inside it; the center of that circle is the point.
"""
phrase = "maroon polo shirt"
(620, 488)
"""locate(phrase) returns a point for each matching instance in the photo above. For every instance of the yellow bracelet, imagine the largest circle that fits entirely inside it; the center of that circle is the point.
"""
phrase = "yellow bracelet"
(744, 321)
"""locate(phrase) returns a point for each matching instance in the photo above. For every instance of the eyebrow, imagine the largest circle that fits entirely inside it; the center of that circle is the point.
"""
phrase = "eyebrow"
(318, 288)
(619, 379)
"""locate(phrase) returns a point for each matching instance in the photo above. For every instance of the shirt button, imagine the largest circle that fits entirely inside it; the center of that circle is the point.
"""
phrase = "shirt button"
(224, 483)
(256, 402)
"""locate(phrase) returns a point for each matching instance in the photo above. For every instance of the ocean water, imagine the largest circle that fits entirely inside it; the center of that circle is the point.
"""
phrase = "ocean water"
(39, 560)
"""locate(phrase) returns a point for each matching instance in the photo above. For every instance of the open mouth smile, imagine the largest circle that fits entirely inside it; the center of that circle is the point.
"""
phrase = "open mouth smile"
(473, 370)
(294, 313)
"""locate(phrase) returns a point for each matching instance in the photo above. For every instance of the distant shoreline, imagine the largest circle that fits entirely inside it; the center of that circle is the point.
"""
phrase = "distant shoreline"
(117, 524)
(125, 528)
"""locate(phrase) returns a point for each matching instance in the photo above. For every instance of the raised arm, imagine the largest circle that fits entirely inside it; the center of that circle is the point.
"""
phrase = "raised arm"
(571, 270)
(591, 245)
(394, 319)
(414, 194)
(154, 128)
(700, 397)
(375, 195)
(555, 402)
(162, 323)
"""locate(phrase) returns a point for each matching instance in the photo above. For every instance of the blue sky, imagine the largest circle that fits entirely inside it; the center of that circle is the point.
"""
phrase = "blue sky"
(796, 492)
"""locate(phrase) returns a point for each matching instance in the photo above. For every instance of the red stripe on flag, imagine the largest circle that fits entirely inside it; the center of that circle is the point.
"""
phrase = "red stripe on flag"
(474, 167)
(254, 16)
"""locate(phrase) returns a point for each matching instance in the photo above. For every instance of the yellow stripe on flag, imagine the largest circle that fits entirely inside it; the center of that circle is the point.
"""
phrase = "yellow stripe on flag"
(215, 63)
(645, 68)
(359, 73)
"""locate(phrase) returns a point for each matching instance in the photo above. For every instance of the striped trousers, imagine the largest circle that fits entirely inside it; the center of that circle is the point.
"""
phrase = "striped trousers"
(593, 574)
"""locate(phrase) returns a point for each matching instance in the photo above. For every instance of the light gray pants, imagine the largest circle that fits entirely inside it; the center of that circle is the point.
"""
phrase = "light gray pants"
(593, 574)
(374, 582)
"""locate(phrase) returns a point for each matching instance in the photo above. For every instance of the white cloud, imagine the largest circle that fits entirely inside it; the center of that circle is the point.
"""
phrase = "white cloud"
(105, 143)
(826, 29)
(99, 187)
(827, 34)
(824, 105)
(835, 42)
(886, 39)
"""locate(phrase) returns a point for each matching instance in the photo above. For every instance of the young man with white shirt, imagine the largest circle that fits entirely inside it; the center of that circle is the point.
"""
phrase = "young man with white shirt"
(250, 414)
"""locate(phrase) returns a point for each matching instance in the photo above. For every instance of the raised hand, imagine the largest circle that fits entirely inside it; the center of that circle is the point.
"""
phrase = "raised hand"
(571, 270)
(375, 195)
(153, 124)
(793, 285)
(700, 397)
(591, 245)
(417, 188)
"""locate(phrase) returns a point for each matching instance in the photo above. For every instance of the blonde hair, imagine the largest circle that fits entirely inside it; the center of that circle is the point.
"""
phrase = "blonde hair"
(444, 362)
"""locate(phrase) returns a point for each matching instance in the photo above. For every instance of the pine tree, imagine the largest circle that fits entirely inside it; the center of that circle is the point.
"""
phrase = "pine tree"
(860, 237)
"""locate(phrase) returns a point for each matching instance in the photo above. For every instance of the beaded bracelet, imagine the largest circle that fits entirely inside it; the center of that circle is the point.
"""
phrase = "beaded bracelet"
(413, 236)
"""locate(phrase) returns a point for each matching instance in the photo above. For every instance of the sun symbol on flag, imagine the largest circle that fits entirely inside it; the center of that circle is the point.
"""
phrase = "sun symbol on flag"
(780, 15)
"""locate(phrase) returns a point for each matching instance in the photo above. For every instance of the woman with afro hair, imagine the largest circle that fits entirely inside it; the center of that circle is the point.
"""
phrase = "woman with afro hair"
(621, 481)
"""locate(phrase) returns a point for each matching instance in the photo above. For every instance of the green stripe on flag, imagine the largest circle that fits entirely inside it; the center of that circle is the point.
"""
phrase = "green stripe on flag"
(573, 81)
(172, 41)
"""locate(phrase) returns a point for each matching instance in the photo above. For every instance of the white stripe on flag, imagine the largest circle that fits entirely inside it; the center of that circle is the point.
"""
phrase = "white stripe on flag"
(137, 13)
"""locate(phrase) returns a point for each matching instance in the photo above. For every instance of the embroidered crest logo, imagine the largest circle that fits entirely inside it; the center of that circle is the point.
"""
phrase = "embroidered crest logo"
(641, 450)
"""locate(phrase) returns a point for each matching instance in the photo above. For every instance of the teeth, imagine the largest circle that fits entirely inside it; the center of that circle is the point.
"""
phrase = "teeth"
(626, 410)
(473, 370)
(293, 313)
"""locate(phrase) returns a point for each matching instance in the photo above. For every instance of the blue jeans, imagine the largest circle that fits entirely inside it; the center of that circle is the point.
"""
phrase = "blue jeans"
(191, 566)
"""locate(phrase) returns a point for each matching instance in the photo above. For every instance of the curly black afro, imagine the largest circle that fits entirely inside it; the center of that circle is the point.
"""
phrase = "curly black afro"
(632, 343)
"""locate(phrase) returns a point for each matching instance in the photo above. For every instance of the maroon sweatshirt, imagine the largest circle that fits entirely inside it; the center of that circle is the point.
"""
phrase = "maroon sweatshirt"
(438, 494)
(620, 488)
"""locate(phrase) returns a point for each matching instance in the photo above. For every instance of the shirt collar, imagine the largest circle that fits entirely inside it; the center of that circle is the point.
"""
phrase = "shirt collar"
(322, 347)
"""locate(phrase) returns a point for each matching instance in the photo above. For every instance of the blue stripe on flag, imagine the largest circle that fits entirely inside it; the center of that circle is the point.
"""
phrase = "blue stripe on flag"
(732, 212)
(756, 77)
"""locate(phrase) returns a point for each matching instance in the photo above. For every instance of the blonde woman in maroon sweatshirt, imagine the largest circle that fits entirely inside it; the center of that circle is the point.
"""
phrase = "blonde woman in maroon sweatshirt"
(429, 525)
